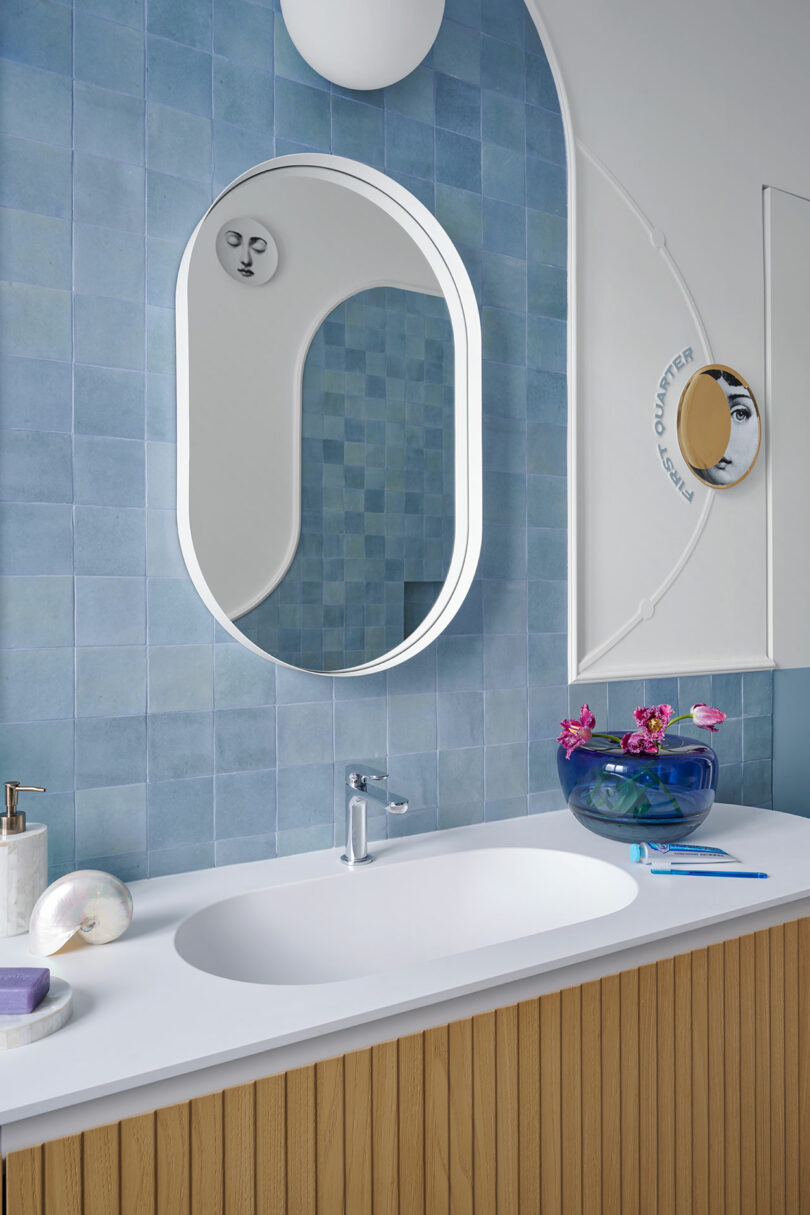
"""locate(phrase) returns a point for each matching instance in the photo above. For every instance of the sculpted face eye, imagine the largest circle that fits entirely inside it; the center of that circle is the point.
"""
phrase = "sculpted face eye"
(234, 239)
(257, 244)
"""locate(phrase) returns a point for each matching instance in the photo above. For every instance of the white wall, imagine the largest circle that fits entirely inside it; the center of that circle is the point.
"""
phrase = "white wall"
(678, 117)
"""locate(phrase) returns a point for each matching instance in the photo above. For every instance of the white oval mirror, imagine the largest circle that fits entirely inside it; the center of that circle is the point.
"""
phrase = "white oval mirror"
(329, 416)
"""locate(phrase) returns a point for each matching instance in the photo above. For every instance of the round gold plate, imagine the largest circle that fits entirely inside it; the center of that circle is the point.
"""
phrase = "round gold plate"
(719, 427)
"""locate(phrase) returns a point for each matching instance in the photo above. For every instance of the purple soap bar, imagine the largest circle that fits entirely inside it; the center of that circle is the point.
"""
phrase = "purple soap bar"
(22, 988)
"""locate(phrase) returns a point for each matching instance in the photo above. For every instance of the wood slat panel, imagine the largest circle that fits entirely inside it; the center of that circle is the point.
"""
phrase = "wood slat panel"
(628, 1000)
(24, 1182)
(792, 1150)
(271, 1145)
(207, 1178)
(665, 1021)
(647, 1089)
(411, 1125)
(776, 1002)
(385, 1128)
(683, 1084)
(357, 1097)
(100, 1170)
(550, 1106)
(529, 1104)
(460, 1045)
(437, 1121)
(329, 1136)
(717, 1112)
(804, 1065)
(591, 1097)
(172, 1160)
(239, 1150)
(731, 1070)
(301, 1183)
(611, 1096)
(748, 1083)
(484, 1099)
(571, 1093)
(700, 1082)
(63, 1176)
(762, 980)
(507, 1113)
(137, 1162)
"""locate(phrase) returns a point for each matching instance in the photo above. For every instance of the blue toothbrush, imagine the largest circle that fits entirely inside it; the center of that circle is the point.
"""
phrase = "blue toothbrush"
(681, 872)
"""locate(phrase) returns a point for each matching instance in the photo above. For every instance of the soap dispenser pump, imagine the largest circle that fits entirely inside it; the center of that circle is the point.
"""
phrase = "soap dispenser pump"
(23, 862)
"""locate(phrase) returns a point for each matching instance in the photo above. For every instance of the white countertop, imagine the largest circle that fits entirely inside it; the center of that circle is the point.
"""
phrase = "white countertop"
(142, 1014)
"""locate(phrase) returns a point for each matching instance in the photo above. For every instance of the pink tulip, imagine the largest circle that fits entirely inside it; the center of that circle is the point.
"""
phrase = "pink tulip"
(706, 717)
(653, 721)
(576, 732)
(639, 743)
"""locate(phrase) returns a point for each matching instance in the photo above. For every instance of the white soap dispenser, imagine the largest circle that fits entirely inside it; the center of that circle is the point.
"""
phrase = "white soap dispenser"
(23, 862)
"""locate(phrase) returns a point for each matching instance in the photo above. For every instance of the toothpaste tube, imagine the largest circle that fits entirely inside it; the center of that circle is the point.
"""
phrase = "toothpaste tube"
(679, 854)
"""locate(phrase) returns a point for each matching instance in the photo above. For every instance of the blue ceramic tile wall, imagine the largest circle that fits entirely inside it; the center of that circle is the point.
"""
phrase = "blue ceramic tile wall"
(164, 745)
(377, 496)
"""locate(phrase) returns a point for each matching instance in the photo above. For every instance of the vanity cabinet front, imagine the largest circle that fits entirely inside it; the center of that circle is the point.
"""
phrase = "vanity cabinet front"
(678, 1088)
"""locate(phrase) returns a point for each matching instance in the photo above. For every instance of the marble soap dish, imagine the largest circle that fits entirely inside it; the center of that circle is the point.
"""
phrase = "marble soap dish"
(49, 1016)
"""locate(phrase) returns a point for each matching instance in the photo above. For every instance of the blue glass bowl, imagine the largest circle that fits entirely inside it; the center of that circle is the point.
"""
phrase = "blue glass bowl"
(634, 798)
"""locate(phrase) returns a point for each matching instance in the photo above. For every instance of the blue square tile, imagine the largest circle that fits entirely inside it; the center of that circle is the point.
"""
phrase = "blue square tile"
(503, 68)
(505, 607)
(110, 681)
(504, 20)
(161, 475)
(413, 96)
(36, 685)
(461, 664)
(540, 87)
(416, 778)
(108, 55)
(174, 206)
(729, 784)
(457, 52)
(504, 228)
(181, 677)
(243, 32)
(504, 335)
(461, 776)
(245, 804)
(35, 249)
(503, 121)
(57, 812)
(177, 614)
(458, 106)
(109, 540)
(35, 466)
(360, 728)
(242, 679)
(186, 21)
(623, 697)
(546, 344)
(36, 612)
(302, 113)
(467, 12)
(504, 175)
(548, 606)
(42, 750)
(757, 693)
(460, 212)
(304, 839)
(546, 187)
(497, 809)
(727, 694)
(110, 611)
(546, 398)
(126, 12)
(357, 131)
(35, 177)
(504, 384)
(547, 501)
(595, 695)
(359, 687)
(548, 663)
(543, 767)
(109, 193)
(298, 687)
(160, 403)
(163, 556)
(547, 708)
(178, 76)
(110, 751)
(547, 452)
(244, 739)
(35, 394)
(548, 293)
(757, 738)
(411, 723)
(108, 472)
(728, 742)
(34, 104)
(757, 783)
(548, 239)
(661, 691)
(458, 160)
(548, 553)
(507, 715)
(304, 734)
(507, 771)
(505, 661)
(109, 401)
(236, 150)
(109, 332)
(243, 95)
(245, 848)
(110, 821)
(461, 719)
(418, 674)
(544, 135)
(180, 745)
(305, 796)
(34, 322)
(36, 538)
(504, 286)
(408, 146)
(178, 142)
(38, 33)
(183, 859)
(160, 340)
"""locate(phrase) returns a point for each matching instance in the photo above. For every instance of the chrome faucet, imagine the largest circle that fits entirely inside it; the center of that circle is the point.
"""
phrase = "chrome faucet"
(360, 786)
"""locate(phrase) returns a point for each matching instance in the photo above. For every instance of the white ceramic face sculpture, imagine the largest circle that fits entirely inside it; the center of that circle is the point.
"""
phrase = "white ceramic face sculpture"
(247, 251)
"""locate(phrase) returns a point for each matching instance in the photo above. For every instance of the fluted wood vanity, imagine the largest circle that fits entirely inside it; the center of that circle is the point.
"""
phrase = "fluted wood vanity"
(674, 1088)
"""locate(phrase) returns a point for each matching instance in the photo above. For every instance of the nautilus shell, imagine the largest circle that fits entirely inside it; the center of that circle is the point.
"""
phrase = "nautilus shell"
(91, 902)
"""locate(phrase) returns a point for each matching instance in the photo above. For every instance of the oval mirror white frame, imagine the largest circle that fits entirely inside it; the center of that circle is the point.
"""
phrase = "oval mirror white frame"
(434, 243)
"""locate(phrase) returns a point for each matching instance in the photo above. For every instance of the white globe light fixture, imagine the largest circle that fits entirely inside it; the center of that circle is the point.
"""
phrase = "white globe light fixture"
(363, 44)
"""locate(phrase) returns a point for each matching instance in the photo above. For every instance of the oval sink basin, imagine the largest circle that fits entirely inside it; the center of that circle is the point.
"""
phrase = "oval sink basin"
(385, 917)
